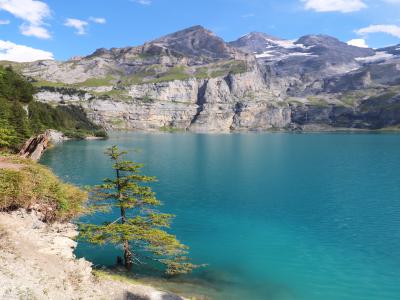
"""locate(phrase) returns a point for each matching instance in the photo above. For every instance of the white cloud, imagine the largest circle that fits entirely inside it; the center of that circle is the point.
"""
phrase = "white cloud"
(98, 20)
(4, 22)
(358, 43)
(393, 30)
(344, 6)
(143, 2)
(33, 30)
(32, 12)
(79, 25)
(20, 53)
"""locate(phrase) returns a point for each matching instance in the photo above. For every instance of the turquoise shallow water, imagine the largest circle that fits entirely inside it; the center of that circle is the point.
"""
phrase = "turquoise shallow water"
(276, 216)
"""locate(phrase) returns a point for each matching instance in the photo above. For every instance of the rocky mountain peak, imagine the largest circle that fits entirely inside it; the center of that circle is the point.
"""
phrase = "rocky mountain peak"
(320, 39)
(255, 42)
(332, 50)
(195, 41)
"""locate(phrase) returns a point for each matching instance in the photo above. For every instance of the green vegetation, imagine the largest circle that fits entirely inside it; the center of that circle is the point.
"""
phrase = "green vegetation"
(45, 83)
(351, 99)
(175, 73)
(221, 69)
(27, 184)
(16, 66)
(154, 73)
(71, 120)
(96, 82)
(201, 73)
(384, 96)
(14, 87)
(317, 101)
(116, 94)
(170, 129)
(140, 227)
(91, 82)
(21, 117)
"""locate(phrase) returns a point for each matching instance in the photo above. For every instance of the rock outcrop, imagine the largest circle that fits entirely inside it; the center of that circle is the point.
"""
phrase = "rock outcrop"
(37, 145)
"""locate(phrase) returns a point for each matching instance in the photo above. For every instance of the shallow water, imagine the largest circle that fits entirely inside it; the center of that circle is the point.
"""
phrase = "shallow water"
(276, 216)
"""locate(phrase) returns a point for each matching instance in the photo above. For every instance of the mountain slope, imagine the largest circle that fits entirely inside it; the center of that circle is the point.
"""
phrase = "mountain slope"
(193, 80)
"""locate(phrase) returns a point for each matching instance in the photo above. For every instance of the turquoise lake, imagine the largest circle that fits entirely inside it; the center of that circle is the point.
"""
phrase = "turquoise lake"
(276, 216)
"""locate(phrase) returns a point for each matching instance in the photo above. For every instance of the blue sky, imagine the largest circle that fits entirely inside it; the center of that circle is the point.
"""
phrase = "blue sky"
(61, 29)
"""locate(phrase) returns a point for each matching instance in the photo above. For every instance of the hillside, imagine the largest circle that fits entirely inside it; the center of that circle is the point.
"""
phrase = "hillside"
(21, 116)
(193, 80)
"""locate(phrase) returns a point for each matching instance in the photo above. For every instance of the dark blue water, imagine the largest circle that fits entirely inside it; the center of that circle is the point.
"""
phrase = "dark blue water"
(276, 216)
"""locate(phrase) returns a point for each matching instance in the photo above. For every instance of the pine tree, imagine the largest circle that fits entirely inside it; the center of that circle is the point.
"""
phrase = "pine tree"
(141, 228)
(19, 119)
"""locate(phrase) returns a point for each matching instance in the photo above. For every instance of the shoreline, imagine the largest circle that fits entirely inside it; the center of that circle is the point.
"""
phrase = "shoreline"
(37, 261)
(37, 243)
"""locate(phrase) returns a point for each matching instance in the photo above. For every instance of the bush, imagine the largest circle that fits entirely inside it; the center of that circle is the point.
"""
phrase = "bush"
(33, 185)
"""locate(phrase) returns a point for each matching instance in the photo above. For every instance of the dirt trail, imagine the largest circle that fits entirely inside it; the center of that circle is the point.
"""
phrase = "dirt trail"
(9, 166)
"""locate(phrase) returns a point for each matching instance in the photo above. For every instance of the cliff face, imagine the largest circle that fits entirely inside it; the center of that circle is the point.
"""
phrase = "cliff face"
(193, 80)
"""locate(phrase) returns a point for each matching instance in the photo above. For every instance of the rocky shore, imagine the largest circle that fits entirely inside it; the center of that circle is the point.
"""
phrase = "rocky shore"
(37, 262)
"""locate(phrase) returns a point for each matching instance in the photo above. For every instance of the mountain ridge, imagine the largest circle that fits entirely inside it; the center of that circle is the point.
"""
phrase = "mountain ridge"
(194, 80)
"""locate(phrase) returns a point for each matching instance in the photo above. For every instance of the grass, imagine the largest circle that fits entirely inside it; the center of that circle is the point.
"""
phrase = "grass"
(170, 129)
(33, 185)
(91, 82)
(116, 94)
(15, 65)
(108, 275)
(175, 73)
(45, 83)
(390, 129)
(317, 101)
(96, 82)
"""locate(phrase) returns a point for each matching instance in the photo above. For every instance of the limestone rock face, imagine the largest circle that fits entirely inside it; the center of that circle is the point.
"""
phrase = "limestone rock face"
(173, 91)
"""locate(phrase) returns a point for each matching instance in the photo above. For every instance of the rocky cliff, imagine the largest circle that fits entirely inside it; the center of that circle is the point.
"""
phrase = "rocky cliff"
(193, 80)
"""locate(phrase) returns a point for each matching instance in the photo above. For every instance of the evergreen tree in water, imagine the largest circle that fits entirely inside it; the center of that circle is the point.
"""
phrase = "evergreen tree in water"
(140, 228)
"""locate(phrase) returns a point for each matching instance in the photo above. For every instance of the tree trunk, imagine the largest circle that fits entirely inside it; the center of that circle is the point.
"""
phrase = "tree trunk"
(127, 256)
(127, 250)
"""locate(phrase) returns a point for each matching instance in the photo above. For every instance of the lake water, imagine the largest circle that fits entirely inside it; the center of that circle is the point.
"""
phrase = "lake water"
(276, 216)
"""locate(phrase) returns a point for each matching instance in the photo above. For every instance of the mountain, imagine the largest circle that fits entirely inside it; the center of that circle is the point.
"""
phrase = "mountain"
(194, 80)
(195, 42)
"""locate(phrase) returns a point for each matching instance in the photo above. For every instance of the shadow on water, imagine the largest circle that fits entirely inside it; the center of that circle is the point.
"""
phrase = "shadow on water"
(130, 296)
(204, 285)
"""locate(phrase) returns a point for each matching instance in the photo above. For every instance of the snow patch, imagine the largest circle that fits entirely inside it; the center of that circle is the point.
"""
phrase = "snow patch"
(380, 55)
(272, 55)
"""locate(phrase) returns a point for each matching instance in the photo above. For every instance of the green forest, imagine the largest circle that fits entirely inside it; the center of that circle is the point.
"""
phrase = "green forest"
(21, 116)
